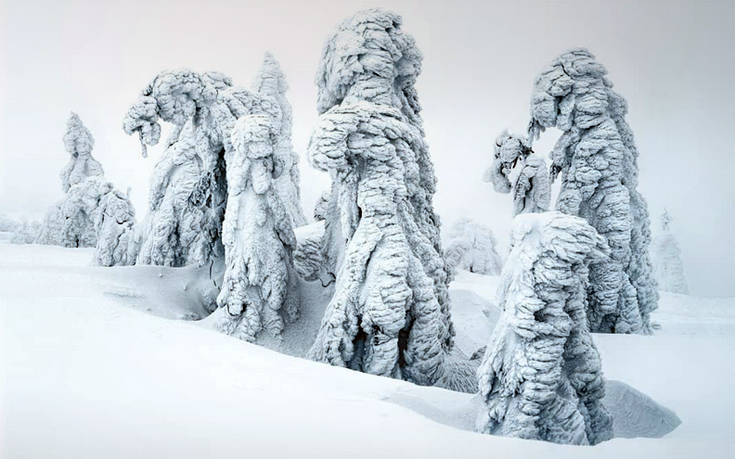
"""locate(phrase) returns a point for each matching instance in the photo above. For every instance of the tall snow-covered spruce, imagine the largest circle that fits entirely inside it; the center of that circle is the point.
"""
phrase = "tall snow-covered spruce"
(667, 264)
(541, 375)
(271, 83)
(390, 311)
(514, 161)
(259, 289)
(214, 192)
(597, 160)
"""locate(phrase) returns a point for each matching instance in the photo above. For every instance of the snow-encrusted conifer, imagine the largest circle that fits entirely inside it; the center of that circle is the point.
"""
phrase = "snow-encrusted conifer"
(668, 268)
(115, 230)
(224, 149)
(390, 311)
(596, 157)
(515, 162)
(472, 246)
(79, 143)
(259, 287)
(187, 196)
(271, 83)
(541, 376)
(71, 222)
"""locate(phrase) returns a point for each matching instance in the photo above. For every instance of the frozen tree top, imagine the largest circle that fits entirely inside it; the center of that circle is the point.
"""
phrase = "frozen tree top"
(270, 79)
(368, 57)
(78, 142)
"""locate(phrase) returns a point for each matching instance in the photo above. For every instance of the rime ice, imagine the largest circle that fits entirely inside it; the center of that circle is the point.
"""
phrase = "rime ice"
(541, 376)
(596, 158)
(390, 311)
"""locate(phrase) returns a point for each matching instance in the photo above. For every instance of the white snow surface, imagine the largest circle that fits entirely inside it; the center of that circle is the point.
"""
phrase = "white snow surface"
(94, 364)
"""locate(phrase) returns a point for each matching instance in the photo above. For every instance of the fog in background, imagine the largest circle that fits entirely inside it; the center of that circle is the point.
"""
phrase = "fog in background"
(672, 61)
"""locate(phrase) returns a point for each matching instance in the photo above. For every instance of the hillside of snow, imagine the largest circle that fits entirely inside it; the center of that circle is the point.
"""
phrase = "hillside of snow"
(113, 362)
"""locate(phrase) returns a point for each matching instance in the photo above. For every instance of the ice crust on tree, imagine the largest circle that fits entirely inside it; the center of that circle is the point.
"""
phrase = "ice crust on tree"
(597, 160)
(259, 290)
(472, 246)
(541, 375)
(79, 143)
(214, 191)
(516, 170)
(271, 83)
(666, 255)
(390, 311)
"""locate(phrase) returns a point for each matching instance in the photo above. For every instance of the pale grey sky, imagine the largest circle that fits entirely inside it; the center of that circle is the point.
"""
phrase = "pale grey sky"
(673, 61)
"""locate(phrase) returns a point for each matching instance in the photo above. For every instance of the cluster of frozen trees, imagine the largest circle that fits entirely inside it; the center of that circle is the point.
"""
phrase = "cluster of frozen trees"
(666, 256)
(226, 192)
(226, 186)
(596, 158)
(92, 213)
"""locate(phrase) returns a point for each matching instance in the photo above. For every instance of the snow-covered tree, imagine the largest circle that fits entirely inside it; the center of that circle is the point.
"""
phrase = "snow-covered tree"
(271, 82)
(515, 168)
(188, 190)
(79, 143)
(541, 376)
(8, 224)
(115, 230)
(597, 160)
(259, 287)
(25, 232)
(71, 222)
(668, 268)
(214, 191)
(390, 311)
(472, 246)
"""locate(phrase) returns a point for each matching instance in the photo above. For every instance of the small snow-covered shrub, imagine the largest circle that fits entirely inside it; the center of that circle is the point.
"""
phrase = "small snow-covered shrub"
(667, 264)
(541, 375)
(390, 311)
(597, 160)
(472, 246)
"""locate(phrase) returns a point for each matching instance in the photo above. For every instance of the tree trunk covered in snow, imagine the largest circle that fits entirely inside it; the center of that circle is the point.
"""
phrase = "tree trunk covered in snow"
(598, 164)
(390, 311)
(541, 376)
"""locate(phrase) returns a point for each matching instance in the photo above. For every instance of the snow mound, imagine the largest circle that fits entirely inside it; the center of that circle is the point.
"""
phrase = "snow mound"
(635, 414)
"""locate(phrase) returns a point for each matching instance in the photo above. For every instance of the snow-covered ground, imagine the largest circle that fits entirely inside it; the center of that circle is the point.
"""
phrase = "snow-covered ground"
(96, 363)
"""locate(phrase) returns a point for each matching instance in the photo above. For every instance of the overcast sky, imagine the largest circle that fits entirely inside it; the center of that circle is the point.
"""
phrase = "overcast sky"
(673, 61)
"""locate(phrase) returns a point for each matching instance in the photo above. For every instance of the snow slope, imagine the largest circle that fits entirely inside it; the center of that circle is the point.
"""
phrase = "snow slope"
(93, 365)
